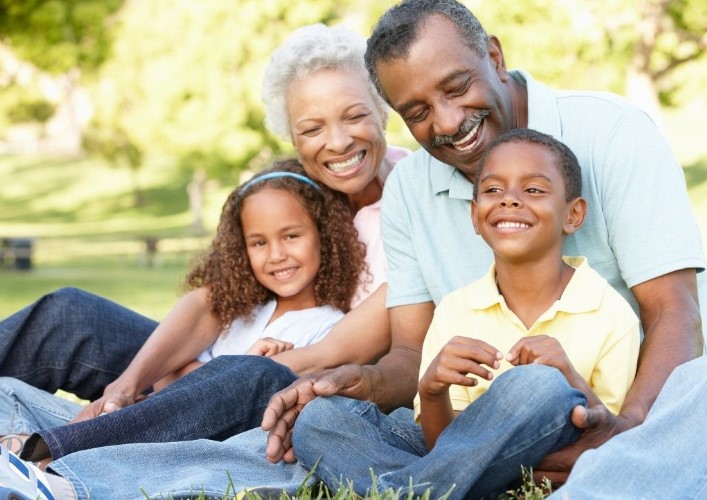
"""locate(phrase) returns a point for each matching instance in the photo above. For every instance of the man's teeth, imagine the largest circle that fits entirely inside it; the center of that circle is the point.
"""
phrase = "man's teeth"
(340, 166)
(514, 225)
(467, 137)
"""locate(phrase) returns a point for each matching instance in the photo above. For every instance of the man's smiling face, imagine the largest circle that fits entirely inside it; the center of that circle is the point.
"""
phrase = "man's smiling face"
(453, 100)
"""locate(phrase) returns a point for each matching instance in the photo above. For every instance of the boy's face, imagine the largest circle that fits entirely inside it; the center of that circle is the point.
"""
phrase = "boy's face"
(520, 209)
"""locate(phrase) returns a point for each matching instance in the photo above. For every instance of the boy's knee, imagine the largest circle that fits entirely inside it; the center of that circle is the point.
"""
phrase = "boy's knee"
(534, 381)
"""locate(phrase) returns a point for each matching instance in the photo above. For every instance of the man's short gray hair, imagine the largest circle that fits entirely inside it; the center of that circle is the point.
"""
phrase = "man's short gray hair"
(397, 30)
(307, 50)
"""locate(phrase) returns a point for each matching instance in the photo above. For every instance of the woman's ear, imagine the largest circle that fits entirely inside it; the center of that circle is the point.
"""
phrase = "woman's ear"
(577, 211)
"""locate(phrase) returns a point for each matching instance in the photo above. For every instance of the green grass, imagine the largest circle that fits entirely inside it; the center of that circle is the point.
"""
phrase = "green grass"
(88, 232)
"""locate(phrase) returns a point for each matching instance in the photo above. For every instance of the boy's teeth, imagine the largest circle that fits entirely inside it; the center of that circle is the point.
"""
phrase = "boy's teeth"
(340, 166)
(511, 224)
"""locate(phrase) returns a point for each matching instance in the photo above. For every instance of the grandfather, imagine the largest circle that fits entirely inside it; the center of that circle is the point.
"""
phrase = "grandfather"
(436, 66)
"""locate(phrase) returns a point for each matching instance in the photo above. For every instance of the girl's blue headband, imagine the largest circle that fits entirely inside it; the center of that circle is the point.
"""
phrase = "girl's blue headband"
(277, 175)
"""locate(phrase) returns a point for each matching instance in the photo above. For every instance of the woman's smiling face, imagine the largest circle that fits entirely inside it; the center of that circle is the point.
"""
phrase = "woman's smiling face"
(337, 128)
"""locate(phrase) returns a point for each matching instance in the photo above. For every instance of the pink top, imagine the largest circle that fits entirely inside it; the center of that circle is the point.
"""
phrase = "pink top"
(367, 222)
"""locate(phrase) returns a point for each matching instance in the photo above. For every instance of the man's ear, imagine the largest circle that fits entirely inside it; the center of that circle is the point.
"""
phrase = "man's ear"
(473, 216)
(497, 59)
(577, 211)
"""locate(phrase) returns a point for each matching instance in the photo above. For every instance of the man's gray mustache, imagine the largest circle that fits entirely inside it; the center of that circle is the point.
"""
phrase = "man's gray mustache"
(465, 128)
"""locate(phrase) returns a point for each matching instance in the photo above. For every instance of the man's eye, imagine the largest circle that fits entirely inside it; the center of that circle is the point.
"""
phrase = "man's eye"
(417, 117)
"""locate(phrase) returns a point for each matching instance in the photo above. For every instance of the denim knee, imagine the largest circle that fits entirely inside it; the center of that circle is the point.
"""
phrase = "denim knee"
(536, 384)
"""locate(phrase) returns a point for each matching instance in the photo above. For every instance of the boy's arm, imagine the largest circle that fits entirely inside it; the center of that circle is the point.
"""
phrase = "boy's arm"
(459, 357)
(186, 331)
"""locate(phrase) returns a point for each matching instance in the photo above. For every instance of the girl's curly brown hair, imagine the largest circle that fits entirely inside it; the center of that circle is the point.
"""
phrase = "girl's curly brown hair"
(225, 268)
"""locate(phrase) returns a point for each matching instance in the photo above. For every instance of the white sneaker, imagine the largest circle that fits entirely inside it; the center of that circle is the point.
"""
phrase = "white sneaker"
(20, 480)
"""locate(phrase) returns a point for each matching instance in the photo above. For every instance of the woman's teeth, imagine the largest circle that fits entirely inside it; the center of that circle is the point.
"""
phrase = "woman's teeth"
(341, 166)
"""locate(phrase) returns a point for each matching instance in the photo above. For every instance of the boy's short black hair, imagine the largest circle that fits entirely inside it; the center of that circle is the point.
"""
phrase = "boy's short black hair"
(566, 160)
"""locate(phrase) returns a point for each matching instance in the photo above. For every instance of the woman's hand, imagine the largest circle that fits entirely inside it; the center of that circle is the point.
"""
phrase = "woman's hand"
(268, 346)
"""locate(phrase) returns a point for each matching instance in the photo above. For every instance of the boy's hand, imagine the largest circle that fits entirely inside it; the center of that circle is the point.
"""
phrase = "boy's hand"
(543, 350)
(461, 356)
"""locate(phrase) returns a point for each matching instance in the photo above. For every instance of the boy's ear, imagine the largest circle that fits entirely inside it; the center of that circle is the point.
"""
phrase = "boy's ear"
(577, 211)
(473, 216)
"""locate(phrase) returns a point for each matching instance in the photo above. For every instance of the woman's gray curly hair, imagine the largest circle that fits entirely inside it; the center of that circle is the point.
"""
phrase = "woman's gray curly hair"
(306, 51)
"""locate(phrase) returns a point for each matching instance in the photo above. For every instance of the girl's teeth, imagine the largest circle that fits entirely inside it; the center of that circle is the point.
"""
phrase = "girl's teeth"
(343, 165)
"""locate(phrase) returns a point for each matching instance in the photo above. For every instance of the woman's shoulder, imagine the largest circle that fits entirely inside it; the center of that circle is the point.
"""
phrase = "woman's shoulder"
(392, 156)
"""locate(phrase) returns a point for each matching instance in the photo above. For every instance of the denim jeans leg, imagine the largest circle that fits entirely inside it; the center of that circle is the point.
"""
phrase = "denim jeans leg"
(24, 409)
(71, 340)
(178, 470)
(347, 439)
(523, 416)
(663, 458)
(226, 396)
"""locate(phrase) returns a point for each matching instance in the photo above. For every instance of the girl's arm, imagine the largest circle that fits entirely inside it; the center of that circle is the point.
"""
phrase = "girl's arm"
(361, 337)
(186, 331)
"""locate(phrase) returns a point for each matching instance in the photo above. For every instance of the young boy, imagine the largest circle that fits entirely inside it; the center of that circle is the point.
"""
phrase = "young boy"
(562, 334)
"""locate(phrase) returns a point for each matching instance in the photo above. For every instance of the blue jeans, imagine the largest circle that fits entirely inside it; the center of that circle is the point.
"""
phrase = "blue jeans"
(187, 467)
(663, 458)
(178, 470)
(71, 340)
(24, 409)
(224, 397)
(521, 418)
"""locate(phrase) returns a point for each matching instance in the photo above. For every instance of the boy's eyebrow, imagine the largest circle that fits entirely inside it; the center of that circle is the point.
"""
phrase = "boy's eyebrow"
(525, 177)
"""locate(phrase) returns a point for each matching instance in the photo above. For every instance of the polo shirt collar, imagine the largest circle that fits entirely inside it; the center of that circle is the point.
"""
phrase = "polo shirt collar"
(445, 178)
(584, 292)
(543, 113)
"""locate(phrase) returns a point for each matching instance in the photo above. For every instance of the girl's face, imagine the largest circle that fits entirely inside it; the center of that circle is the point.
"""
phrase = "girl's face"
(337, 129)
(283, 245)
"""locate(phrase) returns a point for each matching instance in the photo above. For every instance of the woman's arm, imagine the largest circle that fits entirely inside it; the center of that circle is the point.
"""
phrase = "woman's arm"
(361, 337)
(186, 331)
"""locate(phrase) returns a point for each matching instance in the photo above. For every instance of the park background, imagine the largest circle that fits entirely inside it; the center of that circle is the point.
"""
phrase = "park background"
(124, 122)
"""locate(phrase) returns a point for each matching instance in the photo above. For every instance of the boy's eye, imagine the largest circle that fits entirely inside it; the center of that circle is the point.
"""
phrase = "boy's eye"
(492, 189)
(534, 190)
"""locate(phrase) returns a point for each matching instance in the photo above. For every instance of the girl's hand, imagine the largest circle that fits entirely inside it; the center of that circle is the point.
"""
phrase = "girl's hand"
(268, 346)
(460, 357)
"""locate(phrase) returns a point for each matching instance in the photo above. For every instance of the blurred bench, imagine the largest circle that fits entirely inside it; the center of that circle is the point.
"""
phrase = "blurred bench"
(16, 252)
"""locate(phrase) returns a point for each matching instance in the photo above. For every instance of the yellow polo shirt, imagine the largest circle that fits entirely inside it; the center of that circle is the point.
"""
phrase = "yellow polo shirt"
(595, 326)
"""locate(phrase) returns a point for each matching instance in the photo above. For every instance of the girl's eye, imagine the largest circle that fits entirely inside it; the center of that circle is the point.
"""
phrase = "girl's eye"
(291, 236)
(257, 243)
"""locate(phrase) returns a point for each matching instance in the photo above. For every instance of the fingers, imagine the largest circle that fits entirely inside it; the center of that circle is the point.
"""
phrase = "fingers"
(590, 418)
(538, 349)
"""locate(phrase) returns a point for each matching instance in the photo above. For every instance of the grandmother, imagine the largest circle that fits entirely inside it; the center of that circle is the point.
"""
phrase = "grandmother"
(318, 95)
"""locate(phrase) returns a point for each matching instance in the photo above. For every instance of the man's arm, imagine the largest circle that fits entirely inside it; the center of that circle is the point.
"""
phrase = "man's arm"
(390, 383)
(670, 316)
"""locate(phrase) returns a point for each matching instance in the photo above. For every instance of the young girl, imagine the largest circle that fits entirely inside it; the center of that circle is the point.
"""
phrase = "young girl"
(283, 267)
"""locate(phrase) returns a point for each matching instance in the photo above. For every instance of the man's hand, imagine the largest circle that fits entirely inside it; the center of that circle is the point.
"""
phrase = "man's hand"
(598, 425)
(286, 405)
(108, 403)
